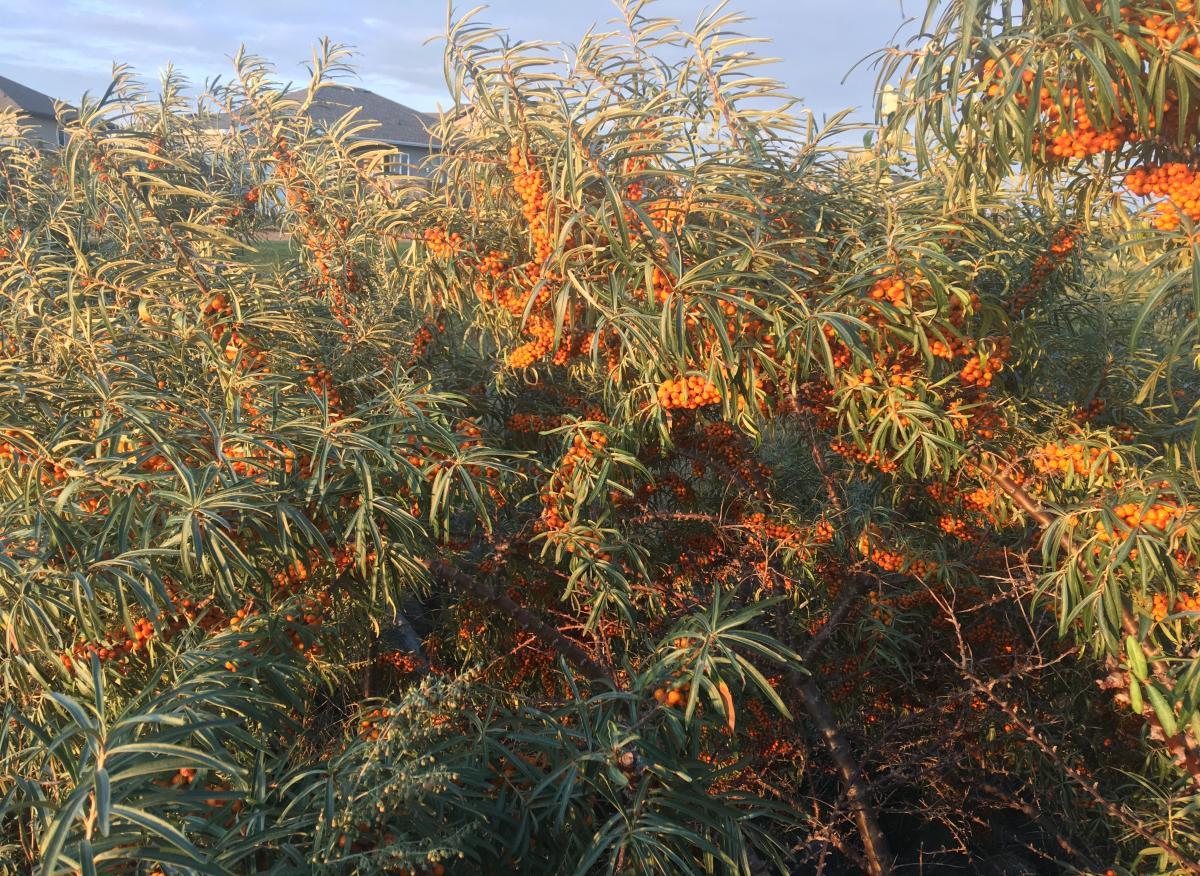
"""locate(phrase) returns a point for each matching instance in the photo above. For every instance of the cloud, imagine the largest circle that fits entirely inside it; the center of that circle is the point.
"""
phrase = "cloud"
(66, 48)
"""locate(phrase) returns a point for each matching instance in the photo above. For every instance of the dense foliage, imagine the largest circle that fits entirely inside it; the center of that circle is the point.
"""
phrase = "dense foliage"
(657, 487)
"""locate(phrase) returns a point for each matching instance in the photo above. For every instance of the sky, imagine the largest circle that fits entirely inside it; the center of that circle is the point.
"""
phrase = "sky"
(66, 47)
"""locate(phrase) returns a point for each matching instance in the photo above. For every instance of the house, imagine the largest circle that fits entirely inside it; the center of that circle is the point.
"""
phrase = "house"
(381, 124)
(36, 109)
(402, 128)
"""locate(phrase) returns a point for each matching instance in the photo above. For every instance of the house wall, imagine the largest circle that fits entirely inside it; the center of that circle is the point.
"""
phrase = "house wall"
(43, 131)
(416, 155)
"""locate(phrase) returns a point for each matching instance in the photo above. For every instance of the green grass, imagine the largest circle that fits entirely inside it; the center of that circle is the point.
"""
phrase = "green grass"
(271, 254)
(268, 253)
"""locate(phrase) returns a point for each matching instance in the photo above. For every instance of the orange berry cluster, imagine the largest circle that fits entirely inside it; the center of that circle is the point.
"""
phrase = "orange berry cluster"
(400, 661)
(1173, 27)
(688, 392)
(669, 483)
(954, 526)
(981, 370)
(443, 245)
(323, 235)
(1167, 218)
(1061, 246)
(896, 290)
(217, 305)
(1055, 458)
(242, 615)
(1175, 181)
(525, 355)
(1170, 29)
(668, 215)
(494, 263)
(673, 695)
(981, 421)
(1063, 242)
(762, 526)
(866, 377)
(320, 381)
(368, 727)
(994, 72)
(1089, 412)
(1081, 139)
(720, 444)
(839, 351)
(52, 473)
(184, 776)
(10, 452)
(1074, 134)
(143, 632)
(533, 422)
(258, 459)
(218, 309)
(511, 296)
(530, 186)
(980, 499)
(892, 561)
(313, 613)
(854, 453)
(422, 339)
(238, 344)
(555, 494)
(1158, 516)
(121, 646)
(570, 344)
(662, 284)
(635, 164)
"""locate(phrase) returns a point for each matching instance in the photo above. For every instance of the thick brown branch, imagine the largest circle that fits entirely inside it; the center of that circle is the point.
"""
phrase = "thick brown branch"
(875, 845)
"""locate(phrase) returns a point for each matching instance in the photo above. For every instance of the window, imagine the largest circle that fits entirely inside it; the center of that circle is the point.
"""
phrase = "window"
(398, 163)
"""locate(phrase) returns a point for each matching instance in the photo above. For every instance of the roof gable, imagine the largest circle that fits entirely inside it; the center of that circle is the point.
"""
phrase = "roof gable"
(397, 123)
(14, 95)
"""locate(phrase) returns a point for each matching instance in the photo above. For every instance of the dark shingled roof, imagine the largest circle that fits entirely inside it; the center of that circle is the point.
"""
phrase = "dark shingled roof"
(25, 99)
(397, 122)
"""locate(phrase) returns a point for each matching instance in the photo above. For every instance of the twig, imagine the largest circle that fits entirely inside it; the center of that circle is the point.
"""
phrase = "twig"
(1181, 745)
(522, 616)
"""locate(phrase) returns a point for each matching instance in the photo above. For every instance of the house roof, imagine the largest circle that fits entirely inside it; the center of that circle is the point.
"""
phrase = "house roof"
(397, 122)
(14, 95)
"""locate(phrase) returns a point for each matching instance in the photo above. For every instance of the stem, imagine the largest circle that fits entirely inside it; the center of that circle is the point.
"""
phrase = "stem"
(1089, 787)
(875, 845)
(836, 617)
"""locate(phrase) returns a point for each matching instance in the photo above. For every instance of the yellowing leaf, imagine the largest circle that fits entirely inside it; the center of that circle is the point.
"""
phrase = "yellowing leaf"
(727, 702)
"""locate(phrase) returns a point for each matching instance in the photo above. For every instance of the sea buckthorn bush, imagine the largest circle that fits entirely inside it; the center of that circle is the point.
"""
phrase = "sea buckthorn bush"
(656, 486)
